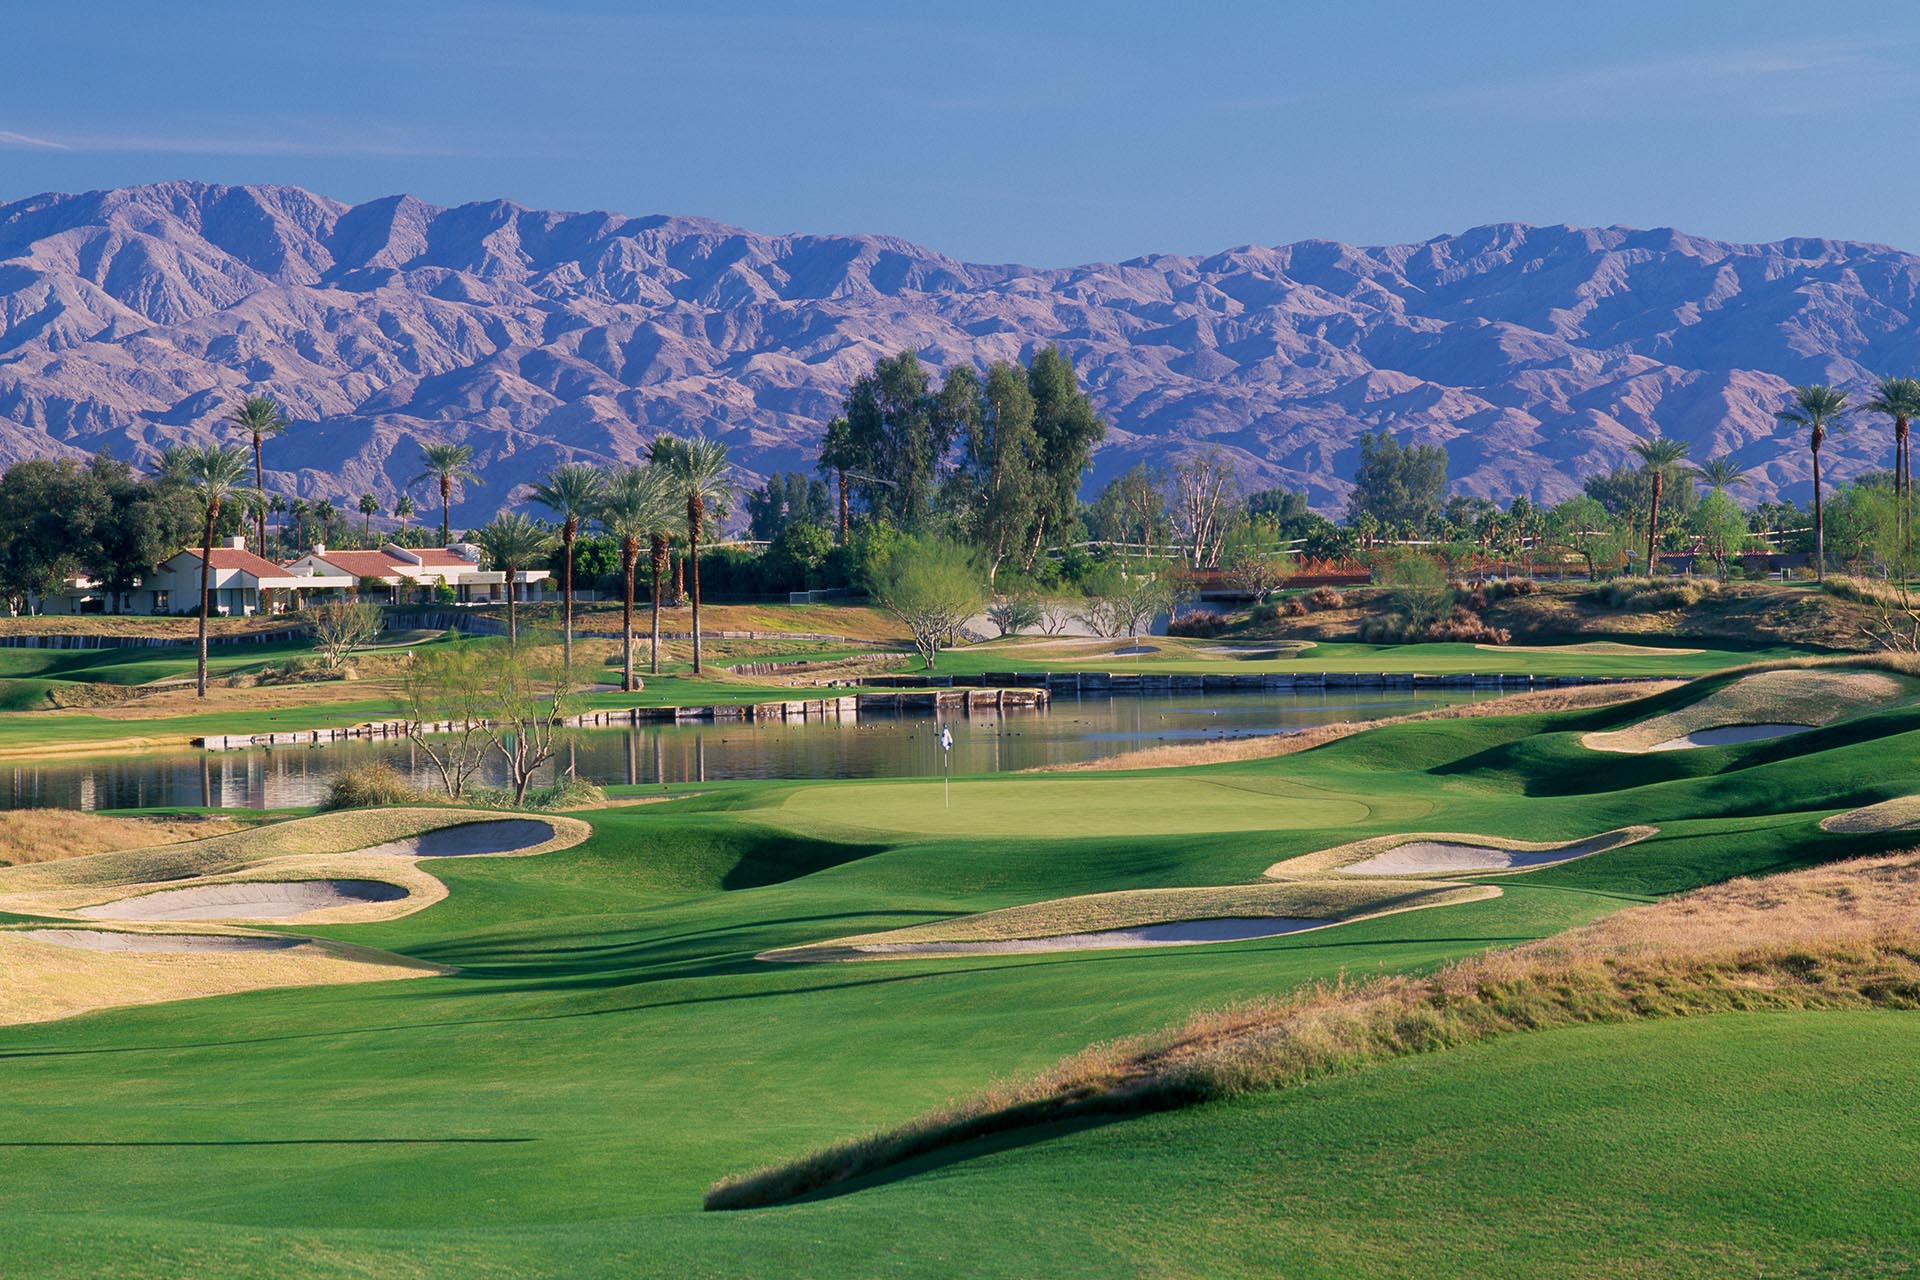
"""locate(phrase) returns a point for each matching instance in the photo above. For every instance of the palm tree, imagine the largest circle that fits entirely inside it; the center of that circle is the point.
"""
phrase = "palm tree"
(369, 508)
(1659, 455)
(636, 504)
(697, 474)
(1817, 408)
(324, 512)
(571, 491)
(213, 475)
(1899, 399)
(1721, 473)
(299, 509)
(838, 456)
(403, 508)
(513, 542)
(447, 465)
(277, 506)
(259, 417)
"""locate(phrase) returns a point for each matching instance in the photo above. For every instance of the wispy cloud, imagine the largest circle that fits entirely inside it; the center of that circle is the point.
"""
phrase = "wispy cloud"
(11, 141)
(1789, 80)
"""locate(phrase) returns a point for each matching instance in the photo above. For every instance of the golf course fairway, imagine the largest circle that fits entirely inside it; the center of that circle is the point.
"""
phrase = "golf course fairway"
(596, 1045)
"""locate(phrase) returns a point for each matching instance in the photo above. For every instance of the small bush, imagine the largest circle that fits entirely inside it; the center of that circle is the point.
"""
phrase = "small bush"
(1197, 624)
(1648, 595)
(1864, 591)
(1325, 598)
(371, 785)
(1297, 608)
(569, 792)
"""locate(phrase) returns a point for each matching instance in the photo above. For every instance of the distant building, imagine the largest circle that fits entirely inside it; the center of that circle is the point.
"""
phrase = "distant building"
(403, 575)
(235, 585)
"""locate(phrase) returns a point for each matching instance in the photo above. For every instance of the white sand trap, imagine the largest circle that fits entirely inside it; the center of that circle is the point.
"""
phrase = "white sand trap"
(247, 900)
(186, 943)
(469, 839)
(1727, 735)
(1427, 857)
(1174, 933)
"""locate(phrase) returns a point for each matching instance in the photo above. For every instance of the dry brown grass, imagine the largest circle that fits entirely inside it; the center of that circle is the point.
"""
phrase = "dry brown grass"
(45, 835)
(1779, 695)
(1540, 702)
(42, 981)
(1331, 901)
(1845, 936)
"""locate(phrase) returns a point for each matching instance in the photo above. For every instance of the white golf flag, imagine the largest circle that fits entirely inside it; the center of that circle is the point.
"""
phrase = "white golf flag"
(946, 738)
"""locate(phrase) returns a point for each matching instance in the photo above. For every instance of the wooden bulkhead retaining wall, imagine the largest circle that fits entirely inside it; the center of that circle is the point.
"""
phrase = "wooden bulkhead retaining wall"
(843, 707)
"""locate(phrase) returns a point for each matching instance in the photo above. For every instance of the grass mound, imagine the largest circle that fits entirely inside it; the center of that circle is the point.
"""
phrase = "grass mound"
(46, 835)
(1811, 696)
(1325, 903)
(1450, 854)
(1898, 814)
(1844, 936)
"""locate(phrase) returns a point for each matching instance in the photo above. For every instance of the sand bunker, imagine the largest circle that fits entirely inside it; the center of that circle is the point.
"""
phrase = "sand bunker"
(1728, 735)
(1896, 814)
(468, 840)
(1767, 704)
(247, 900)
(1179, 933)
(1447, 854)
(1444, 857)
(179, 943)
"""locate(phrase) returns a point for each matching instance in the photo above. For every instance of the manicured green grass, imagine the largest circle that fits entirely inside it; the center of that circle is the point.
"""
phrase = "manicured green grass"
(1190, 656)
(610, 1048)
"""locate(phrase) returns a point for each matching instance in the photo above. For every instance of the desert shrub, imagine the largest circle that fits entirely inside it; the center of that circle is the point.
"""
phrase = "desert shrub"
(300, 671)
(1864, 591)
(1297, 608)
(1649, 595)
(1197, 624)
(368, 786)
(570, 792)
(1325, 598)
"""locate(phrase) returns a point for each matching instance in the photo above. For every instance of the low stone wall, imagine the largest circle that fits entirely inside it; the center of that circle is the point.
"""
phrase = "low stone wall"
(1110, 682)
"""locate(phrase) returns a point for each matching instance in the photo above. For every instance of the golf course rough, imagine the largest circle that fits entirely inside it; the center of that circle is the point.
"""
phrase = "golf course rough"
(1144, 918)
(1450, 854)
(1767, 704)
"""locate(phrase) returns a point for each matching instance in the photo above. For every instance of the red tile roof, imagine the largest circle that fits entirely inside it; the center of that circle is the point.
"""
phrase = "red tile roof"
(244, 561)
(440, 558)
(366, 564)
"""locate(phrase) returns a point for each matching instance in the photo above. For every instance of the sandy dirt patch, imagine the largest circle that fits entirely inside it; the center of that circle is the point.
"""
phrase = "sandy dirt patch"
(45, 835)
(1729, 735)
(162, 943)
(1180, 933)
(1449, 854)
(1896, 814)
(247, 900)
(44, 980)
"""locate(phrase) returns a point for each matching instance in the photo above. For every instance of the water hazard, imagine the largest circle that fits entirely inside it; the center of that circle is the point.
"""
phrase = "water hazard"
(1072, 729)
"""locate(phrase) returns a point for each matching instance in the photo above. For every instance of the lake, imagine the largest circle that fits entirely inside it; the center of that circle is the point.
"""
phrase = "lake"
(1071, 729)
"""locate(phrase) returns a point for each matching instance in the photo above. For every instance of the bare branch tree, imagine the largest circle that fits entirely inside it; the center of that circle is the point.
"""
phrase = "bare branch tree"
(1202, 486)
(341, 626)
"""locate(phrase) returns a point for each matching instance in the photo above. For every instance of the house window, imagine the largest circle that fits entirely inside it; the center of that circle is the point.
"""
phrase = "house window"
(160, 602)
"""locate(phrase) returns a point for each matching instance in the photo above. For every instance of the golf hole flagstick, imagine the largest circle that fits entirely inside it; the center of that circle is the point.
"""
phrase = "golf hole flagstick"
(946, 763)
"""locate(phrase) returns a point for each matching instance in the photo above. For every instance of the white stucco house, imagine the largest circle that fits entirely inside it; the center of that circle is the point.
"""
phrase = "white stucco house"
(409, 574)
(238, 578)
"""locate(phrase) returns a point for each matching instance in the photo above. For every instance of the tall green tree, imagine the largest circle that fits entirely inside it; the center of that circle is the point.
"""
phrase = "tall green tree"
(696, 472)
(1067, 430)
(572, 491)
(899, 431)
(1000, 487)
(637, 506)
(1816, 409)
(1899, 399)
(212, 476)
(1398, 484)
(449, 466)
(839, 455)
(259, 417)
(1658, 456)
(511, 542)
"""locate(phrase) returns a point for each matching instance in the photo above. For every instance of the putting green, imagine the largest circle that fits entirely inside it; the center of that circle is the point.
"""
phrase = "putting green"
(1067, 806)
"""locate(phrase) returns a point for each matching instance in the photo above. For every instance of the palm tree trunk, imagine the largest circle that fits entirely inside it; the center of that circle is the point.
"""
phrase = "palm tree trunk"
(1819, 521)
(628, 554)
(260, 483)
(679, 578)
(568, 532)
(1653, 520)
(694, 514)
(446, 510)
(206, 605)
(513, 618)
(658, 550)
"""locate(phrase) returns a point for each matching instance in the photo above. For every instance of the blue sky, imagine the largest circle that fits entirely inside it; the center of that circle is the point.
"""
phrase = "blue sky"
(1042, 133)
